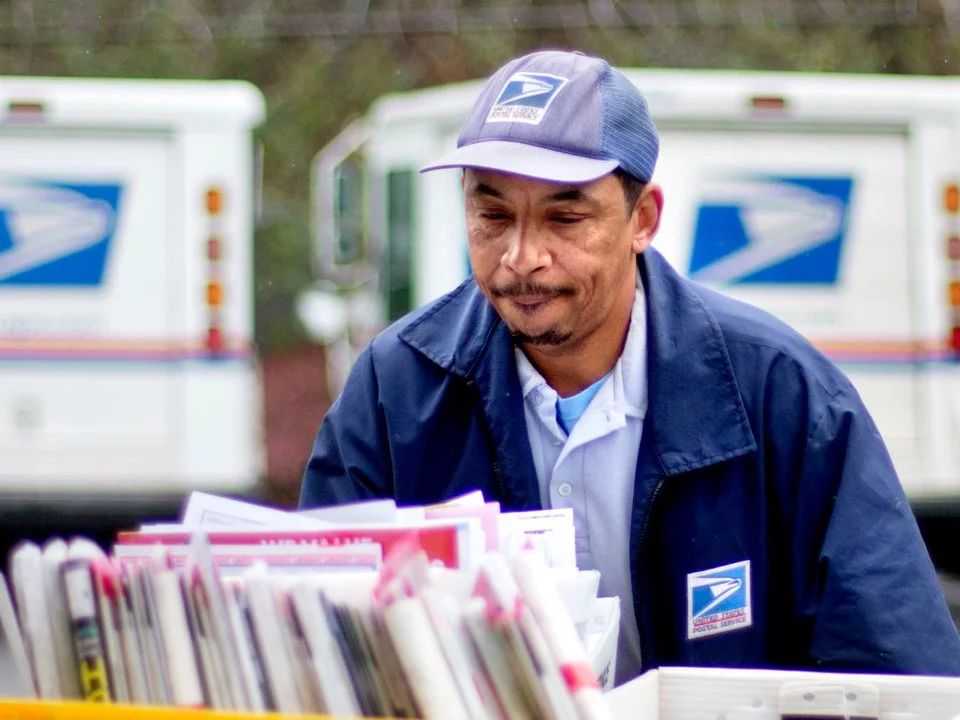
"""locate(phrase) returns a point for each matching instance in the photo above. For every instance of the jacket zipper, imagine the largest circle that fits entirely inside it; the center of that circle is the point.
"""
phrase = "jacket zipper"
(641, 541)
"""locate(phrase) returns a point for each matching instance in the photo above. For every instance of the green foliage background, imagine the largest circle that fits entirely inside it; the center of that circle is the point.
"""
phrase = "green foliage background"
(322, 63)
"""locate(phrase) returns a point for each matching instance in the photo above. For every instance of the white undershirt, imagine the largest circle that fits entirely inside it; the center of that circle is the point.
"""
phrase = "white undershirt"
(593, 470)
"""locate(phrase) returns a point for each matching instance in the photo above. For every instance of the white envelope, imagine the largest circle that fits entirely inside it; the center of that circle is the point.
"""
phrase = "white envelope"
(602, 633)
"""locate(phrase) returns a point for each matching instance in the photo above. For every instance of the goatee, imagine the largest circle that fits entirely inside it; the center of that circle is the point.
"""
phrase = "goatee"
(550, 337)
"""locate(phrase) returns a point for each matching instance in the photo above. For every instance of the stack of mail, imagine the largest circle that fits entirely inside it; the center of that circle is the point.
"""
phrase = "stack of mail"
(455, 610)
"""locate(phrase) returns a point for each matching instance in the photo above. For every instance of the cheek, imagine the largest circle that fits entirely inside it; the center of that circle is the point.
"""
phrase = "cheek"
(590, 253)
(607, 239)
(610, 255)
(483, 260)
(598, 270)
(483, 245)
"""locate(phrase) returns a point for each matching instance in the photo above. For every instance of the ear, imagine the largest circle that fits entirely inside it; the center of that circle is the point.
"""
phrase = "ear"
(646, 216)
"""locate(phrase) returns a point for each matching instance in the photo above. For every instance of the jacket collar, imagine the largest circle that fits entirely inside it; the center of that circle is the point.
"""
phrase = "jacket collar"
(463, 334)
(695, 415)
(696, 412)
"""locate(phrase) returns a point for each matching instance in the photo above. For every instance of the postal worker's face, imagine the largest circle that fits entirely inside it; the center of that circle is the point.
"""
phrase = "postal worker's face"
(555, 259)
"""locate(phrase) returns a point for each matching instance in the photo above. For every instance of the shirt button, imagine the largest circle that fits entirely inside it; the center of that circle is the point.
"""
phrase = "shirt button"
(564, 489)
(536, 397)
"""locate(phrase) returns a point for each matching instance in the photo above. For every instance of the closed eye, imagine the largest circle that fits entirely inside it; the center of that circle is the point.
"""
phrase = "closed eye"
(566, 218)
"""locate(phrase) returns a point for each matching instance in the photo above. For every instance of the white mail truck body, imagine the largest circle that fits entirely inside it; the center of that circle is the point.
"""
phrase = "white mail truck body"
(126, 297)
(829, 200)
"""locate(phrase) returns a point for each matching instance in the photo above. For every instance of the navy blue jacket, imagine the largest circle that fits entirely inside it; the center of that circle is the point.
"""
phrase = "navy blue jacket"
(755, 448)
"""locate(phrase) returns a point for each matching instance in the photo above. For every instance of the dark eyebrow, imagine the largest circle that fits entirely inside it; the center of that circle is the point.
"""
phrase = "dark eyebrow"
(484, 189)
(573, 194)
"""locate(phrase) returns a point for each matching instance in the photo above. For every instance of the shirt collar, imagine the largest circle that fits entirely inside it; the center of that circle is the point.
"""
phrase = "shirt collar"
(530, 377)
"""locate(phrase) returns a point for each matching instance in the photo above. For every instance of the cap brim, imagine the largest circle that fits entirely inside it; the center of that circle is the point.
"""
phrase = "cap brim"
(527, 160)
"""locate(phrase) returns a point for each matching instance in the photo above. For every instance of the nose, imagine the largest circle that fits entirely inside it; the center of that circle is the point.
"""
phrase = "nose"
(526, 251)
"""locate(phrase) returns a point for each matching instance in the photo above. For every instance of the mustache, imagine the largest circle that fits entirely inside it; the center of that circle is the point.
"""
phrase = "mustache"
(522, 289)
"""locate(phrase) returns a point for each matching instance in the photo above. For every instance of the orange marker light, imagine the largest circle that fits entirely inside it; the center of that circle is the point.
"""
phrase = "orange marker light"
(215, 294)
(214, 201)
(951, 198)
(955, 293)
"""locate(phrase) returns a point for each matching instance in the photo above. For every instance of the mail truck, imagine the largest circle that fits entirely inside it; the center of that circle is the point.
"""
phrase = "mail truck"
(126, 295)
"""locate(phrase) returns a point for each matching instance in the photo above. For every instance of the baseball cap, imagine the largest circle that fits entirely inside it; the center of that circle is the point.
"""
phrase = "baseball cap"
(557, 116)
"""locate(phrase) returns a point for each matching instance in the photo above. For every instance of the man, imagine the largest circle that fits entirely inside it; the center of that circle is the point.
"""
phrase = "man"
(725, 478)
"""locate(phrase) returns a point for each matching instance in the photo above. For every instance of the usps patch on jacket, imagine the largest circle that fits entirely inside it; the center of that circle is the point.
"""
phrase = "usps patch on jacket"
(525, 98)
(718, 600)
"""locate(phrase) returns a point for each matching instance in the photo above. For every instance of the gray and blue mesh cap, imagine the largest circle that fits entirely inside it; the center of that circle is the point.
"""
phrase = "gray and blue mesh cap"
(557, 116)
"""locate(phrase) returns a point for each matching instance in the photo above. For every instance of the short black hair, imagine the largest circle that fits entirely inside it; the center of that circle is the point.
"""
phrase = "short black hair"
(632, 187)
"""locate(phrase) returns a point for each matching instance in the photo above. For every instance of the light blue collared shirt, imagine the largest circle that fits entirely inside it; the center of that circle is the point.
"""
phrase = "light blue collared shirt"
(592, 470)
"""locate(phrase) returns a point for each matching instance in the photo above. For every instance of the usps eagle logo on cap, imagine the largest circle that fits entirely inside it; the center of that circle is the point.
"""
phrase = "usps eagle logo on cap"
(718, 600)
(525, 97)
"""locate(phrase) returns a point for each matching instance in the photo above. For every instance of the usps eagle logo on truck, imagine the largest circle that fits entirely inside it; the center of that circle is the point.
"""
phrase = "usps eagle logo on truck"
(55, 233)
(718, 600)
(770, 229)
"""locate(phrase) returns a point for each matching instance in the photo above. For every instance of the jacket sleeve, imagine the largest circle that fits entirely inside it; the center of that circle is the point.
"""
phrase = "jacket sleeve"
(878, 603)
(350, 457)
